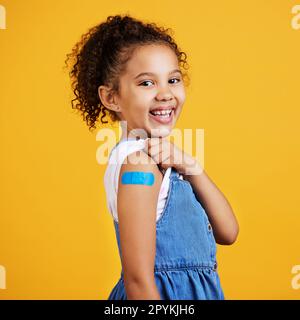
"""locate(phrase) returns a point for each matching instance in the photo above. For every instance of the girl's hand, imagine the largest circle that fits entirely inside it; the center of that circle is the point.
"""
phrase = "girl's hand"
(166, 155)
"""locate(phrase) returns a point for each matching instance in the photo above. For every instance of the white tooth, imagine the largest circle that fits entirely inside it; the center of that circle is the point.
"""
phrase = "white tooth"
(163, 112)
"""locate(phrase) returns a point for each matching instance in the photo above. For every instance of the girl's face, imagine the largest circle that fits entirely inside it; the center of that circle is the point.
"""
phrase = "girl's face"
(152, 91)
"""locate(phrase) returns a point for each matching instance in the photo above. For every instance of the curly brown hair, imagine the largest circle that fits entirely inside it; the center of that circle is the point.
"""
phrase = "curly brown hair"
(100, 57)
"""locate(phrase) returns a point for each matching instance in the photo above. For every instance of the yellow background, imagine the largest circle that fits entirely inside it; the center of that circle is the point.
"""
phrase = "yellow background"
(57, 238)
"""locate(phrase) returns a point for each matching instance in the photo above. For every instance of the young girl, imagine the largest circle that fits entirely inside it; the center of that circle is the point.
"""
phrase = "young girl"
(168, 215)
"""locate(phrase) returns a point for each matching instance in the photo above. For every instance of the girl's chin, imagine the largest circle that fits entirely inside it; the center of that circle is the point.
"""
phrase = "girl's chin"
(160, 131)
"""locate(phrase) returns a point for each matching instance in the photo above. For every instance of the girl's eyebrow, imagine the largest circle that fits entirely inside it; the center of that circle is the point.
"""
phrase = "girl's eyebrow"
(153, 74)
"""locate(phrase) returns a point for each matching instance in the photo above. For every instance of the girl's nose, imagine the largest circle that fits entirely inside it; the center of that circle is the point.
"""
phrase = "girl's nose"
(164, 94)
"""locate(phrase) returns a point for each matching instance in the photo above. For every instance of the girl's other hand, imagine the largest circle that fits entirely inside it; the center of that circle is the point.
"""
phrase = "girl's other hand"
(166, 155)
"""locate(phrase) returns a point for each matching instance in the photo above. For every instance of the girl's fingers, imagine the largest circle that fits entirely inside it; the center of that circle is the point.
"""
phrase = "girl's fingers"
(154, 141)
(150, 143)
(160, 152)
(154, 153)
(158, 149)
(163, 159)
(155, 150)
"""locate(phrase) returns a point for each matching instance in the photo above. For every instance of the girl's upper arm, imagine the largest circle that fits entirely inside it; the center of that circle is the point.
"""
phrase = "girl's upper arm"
(137, 204)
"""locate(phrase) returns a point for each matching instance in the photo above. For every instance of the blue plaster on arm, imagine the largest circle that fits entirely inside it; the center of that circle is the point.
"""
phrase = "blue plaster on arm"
(137, 177)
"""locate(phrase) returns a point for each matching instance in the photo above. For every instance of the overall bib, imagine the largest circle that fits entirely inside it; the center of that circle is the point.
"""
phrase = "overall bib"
(185, 260)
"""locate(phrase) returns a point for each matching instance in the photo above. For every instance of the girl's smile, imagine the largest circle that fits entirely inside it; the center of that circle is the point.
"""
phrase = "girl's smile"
(163, 115)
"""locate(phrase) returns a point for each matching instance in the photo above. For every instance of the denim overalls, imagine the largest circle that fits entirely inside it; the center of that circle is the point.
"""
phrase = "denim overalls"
(185, 261)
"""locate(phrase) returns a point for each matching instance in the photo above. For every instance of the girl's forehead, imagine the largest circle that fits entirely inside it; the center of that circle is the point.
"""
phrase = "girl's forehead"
(152, 59)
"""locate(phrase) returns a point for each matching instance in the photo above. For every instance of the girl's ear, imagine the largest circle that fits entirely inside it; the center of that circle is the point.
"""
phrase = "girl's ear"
(107, 98)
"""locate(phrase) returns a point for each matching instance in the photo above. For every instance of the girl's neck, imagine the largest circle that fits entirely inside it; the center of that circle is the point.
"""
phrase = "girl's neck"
(130, 134)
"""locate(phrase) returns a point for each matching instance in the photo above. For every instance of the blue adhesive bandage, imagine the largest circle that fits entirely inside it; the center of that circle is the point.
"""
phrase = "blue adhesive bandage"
(136, 177)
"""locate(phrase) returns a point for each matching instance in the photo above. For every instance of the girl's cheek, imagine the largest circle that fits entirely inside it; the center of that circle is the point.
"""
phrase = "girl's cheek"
(181, 97)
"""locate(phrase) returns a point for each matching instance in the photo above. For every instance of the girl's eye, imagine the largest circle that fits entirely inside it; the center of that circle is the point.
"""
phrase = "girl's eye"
(178, 80)
(145, 82)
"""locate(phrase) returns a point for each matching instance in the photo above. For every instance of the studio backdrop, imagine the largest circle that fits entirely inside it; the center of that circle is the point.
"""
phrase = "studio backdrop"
(57, 238)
